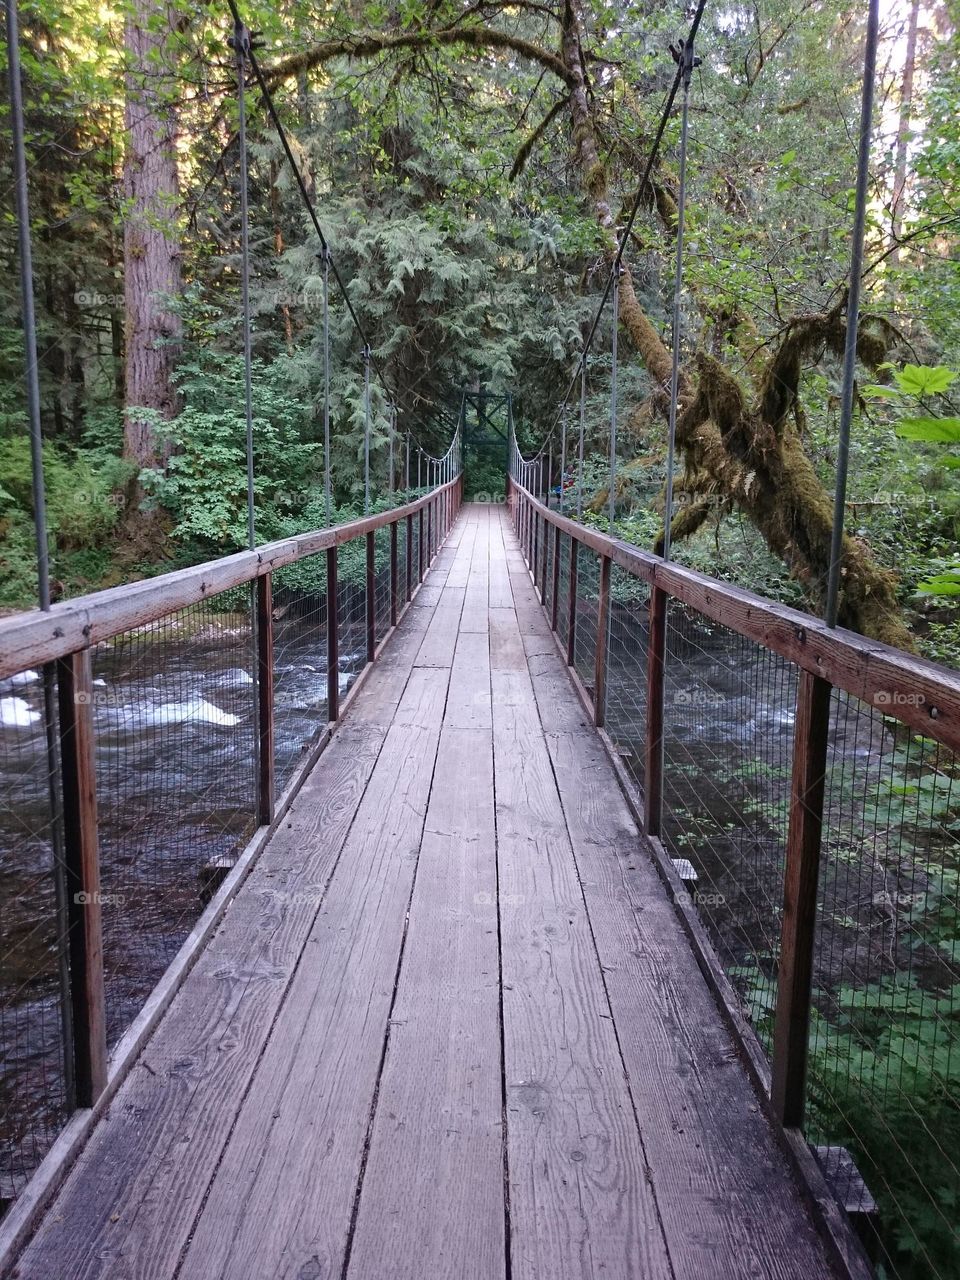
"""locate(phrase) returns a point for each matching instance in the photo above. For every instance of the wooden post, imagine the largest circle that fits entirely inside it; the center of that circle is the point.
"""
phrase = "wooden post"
(371, 596)
(653, 746)
(801, 876)
(265, 782)
(408, 557)
(429, 533)
(600, 656)
(420, 546)
(81, 856)
(333, 639)
(572, 602)
(394, 576)
(555, 585)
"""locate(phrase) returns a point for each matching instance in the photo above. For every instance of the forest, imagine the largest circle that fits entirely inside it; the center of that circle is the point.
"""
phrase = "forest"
(472, 165)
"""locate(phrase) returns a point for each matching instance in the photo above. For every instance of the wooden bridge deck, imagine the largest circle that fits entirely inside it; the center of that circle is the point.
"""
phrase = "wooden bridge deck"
(451, 1026)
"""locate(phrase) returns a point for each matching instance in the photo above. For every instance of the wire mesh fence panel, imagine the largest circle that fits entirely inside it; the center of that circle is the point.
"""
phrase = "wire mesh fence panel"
(883, 1101)
(547, 584)
(401, 563)
(382, 581)
(729, 708)
(33, 1096)
(352, 610)
(414, 552)
(626, 710)
(299, 660)
(174, 715)
(588, 599)
(563, 587)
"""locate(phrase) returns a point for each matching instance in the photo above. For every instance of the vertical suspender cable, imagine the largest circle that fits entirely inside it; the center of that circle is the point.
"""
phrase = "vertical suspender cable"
(687, 64)
(241, 46)
(615, 291)
(393, 423)
(366, 430)
(583, 423)
(563, 462)
(853, 314)
(549, 472)
(328, 506)
(32, 378)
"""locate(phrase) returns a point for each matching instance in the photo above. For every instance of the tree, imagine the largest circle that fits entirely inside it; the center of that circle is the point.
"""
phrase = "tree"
(151, 239)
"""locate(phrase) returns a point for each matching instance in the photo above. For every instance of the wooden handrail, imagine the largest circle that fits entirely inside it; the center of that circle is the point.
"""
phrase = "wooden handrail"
(922, 694)
(33, 638)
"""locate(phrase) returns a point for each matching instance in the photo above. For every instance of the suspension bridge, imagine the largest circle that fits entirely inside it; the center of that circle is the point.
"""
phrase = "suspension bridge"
(463, 891)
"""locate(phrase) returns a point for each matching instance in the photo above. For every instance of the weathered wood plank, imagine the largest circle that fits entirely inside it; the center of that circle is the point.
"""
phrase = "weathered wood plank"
(580, 1203)
(282, 1197)
(129, 1204)
(432, 1200)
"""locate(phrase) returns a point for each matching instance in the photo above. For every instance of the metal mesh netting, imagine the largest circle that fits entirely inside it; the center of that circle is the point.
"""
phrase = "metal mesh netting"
(729, 708)
(174, 709)
(563, 587)
(299, 660)
(884, 1068)
(626, 709)
(547, 584)
(382, 582)
(352, 610)
(33, 1101)
(588, 598)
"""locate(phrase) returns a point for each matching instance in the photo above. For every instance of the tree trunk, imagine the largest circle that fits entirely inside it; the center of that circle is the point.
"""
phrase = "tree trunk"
(151, 241)
(903, 133)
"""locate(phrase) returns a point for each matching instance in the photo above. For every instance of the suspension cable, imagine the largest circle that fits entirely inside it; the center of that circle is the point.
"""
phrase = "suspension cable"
(612, 497)
(240, 43)
(328, 506)
(853, 314)
(686, 63)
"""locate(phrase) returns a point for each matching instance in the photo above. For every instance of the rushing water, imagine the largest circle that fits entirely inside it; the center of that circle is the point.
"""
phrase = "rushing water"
(173, 709)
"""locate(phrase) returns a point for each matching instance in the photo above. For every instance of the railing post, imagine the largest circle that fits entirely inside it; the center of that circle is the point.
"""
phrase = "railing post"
(600, 658)
(801, 877)
(555, 585)
(653, 746)
(429, 533)
(420, 546)
(572, 602)
(394, 576)
(333, 638)
(371, 596)
(81, 855)
(408, 557)
(265, 754)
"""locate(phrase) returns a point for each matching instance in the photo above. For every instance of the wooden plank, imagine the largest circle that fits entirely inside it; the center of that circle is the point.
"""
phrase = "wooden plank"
(135, 1191)
(580, 1203)
(370, 582)
(333, 638)
(600, 649)
(432, 1199)
(440, 641)
(653, 742)
(281, 1201)
(266, 783)
(800, 886)
(468, 701)
(728, 1202)
(81, 855)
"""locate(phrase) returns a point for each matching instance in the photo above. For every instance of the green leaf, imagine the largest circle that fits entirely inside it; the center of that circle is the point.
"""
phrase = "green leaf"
(935, 430)
(924, 379)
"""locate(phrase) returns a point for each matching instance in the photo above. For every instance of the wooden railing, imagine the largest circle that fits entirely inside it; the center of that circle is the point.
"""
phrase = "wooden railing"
(65, 637)
(917, 693)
